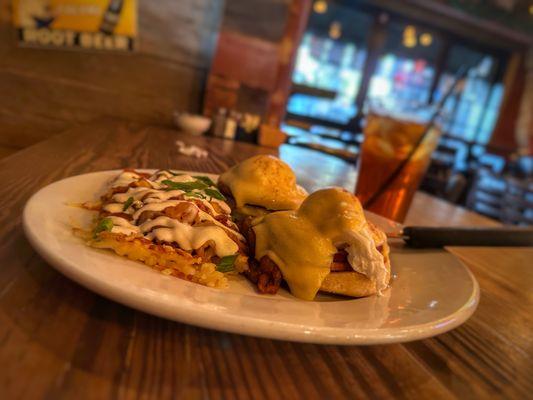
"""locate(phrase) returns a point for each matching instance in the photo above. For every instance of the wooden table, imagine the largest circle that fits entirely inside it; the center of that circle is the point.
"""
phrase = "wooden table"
(59, 340)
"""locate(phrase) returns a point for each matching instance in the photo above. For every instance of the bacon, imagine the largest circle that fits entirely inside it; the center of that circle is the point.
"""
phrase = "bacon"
(187, 213)
(143, 174)
(243, 247)
(141, 183)
(201, 206)
(107, 197)
(265, 274)
(206, 251)
(217, 208)
(340, 262)
(183, 212)
(146, 215)
(118, 214)
(225, 220)
(222, 218)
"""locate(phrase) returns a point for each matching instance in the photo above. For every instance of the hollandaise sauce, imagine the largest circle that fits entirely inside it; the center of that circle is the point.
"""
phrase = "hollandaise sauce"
(303, 242)
(263, 181)
(302, 253)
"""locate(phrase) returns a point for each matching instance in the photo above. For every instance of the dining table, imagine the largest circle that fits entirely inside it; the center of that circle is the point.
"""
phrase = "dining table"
(58, 340)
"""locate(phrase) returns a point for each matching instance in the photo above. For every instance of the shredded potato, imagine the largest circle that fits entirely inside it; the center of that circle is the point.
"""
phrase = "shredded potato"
(167, 259)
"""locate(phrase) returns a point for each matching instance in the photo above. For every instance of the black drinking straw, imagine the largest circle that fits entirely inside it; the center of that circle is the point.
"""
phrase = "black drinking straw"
(461, 73)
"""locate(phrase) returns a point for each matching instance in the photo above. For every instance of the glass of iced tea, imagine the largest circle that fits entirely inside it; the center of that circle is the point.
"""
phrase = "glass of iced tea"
(392, 147)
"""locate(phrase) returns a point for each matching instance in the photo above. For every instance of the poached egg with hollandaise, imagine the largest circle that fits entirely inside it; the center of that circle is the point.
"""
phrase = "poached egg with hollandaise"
(304, 244)
(262, 184)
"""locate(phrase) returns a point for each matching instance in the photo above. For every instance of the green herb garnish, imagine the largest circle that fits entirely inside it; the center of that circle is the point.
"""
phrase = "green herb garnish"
(206, 180)
(185, 186)
(215, 194)
(195, 194)
(106, 224)
(127, 204)
(226, 264)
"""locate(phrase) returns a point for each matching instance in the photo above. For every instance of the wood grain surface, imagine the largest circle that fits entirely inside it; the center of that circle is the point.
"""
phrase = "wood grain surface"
(59, 340)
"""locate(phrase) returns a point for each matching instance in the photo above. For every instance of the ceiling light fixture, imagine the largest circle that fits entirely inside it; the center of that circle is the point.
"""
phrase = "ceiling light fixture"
(426, 39)
(335, 30)
(320, 6)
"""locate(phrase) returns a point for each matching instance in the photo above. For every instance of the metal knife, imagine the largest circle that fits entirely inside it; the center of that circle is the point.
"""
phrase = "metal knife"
(432, 237)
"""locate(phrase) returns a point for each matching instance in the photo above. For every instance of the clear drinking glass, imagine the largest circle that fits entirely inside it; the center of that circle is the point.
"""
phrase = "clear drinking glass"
(393, 147)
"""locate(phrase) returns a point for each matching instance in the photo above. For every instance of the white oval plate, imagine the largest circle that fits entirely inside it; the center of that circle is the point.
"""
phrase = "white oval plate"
(432, 292)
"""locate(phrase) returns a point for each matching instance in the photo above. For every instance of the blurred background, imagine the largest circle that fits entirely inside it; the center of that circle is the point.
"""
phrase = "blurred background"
(298, 72)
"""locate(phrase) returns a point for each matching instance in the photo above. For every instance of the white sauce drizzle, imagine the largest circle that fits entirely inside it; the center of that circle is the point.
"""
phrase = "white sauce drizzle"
(114, 207)
(159, 206)
(223, 205)
(121, 225)
(165, 175)
(137, 194)
(125, 178)
(189, 237)
(165, 228)
(153, 195)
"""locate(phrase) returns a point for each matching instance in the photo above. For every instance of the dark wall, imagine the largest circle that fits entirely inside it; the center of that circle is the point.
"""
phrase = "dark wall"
(43, 92)
(264, 19)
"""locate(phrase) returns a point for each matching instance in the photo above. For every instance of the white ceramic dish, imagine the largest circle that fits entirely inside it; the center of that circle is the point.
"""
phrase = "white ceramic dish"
(192, 123)
(432, 292)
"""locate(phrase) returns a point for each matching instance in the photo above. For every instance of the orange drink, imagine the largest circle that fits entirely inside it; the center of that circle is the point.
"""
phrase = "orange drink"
(388, 143)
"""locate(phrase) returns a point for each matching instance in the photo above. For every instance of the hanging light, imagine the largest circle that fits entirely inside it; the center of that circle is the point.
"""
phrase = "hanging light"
(335, 30)
(426, 39)
(320, 6)
(409, 36)
(409, 41)
(409, 30)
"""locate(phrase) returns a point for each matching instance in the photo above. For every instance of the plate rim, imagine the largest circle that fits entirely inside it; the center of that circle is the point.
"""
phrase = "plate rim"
(257, 327)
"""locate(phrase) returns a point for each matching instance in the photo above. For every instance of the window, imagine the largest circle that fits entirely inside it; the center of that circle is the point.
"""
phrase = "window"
(326, 64)
(471, 114)
(331, 57)
(415, 67)
(491, 114)
(403, 80)
(405, 72)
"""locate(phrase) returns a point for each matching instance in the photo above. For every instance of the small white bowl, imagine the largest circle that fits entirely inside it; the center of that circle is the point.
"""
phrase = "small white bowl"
(192, 123)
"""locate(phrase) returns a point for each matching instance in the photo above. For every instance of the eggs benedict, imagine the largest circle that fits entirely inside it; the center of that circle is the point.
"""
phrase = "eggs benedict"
(325, 245)
(261, 184)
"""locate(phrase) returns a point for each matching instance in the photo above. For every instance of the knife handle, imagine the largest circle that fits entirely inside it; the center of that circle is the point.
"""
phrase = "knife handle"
(427, 237)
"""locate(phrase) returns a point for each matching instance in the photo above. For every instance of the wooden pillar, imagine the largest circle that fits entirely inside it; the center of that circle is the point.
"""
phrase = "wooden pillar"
(294, 30)
(440, 66)
(524, 131)
(376, 40)
(503, 136)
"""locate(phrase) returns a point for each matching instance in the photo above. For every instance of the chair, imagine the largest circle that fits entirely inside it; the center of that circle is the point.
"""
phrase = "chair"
(442, 178)
(503, 197)
(494, 162)
(518, 202)
(486, 194)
